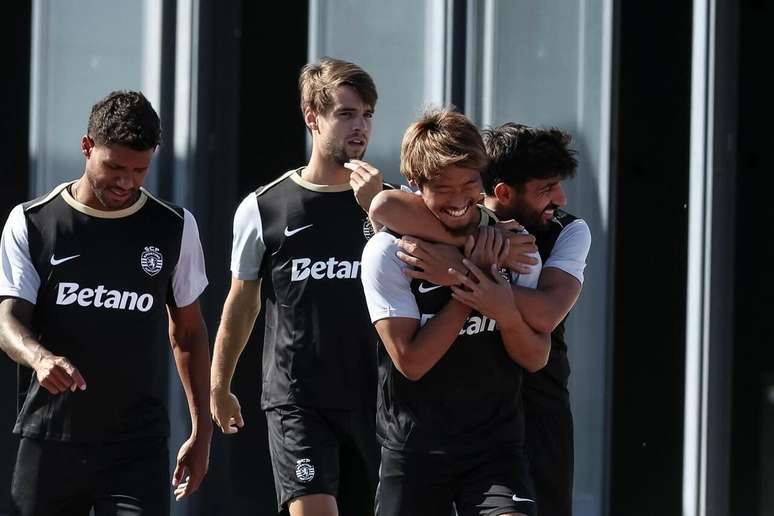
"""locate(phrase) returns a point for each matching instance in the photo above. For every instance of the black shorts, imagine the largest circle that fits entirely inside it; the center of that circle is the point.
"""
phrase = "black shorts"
(549, 446)
(317, 451)
(121, 479)
(487, 483)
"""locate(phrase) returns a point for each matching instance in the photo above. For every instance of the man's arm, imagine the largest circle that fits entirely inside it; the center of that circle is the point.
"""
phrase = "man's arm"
(366, 181)
(239, 312)
(545, 307)
(492, 296)
(190, 347)
(415, 350)
(19, 285)
(54, 373)
(405, 213)
(542, 308)
(560, 281)
(527, 347)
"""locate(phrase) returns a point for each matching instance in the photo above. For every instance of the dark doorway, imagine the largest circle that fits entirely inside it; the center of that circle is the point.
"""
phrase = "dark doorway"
(256, 133)
(15, 40)
(752, 431)
(652, 134)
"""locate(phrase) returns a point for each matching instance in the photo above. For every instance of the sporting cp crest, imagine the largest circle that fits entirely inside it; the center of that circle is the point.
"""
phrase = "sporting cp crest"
(151, 260)
(304, 470)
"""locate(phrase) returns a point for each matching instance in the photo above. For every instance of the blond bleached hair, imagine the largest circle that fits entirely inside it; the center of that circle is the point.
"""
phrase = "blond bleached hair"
(318, 81)
(441, 138)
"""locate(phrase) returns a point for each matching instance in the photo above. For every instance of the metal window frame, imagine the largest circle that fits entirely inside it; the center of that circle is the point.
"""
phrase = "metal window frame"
(710, 289)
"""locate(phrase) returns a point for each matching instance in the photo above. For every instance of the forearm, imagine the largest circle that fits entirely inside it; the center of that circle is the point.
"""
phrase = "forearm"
(16, 338)
(234, 330)
(19, 344)
(406, 214)
(540, 309)
(545, 307)
(525, 346)
(433, 340)
(192, 358)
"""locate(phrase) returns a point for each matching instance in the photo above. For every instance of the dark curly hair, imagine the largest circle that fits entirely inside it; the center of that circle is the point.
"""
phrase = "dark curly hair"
(519, 153)
(125, 118)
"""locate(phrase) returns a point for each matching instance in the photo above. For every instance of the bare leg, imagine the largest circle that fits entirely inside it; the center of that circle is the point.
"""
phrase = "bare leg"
(313, 505)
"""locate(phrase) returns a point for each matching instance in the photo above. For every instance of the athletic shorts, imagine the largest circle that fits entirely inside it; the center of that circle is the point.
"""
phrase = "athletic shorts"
(487, 483)
(54, 478)
(549, 447)
(316, 451)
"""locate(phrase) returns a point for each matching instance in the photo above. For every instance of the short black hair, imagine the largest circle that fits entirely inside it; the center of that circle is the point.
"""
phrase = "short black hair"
(519, 153)
(125, 118)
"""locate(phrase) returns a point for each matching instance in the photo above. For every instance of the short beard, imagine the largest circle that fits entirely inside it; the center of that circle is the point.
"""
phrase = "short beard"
(339, 155)
(532, 222)
(101, 198)
(540, 226)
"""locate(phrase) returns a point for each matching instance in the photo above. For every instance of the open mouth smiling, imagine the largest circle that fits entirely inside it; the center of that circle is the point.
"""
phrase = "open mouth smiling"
(456, 212)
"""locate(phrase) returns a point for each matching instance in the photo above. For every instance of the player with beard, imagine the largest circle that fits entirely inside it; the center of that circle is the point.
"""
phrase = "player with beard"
(524, 181)
(449, 414)
(299, 239)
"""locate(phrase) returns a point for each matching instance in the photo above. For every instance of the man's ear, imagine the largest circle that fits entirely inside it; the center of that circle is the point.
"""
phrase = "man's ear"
(310, 119)
(504, 193)
(86, 145)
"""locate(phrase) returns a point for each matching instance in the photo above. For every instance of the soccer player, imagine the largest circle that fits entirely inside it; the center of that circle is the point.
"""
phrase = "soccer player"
(90, 276)
(524, 181)
(300, 239)
(450, 419)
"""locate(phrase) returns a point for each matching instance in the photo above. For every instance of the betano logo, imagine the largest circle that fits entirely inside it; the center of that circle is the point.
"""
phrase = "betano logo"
(473, 325)
(100, 297)
(303, 268)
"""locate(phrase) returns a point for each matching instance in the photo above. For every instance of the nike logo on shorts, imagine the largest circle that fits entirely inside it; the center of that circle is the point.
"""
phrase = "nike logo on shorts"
(55, 261)
(291, 232)
(425, 289)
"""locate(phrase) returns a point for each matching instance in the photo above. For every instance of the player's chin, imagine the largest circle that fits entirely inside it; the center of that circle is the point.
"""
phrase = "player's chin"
(356, 154)
(543, 223)
(458, 225)
(116, 201)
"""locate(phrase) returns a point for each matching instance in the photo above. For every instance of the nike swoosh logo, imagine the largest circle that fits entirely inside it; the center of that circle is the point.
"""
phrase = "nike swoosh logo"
(291, 232)
(517, 499)
(54, 261)
(425, 289)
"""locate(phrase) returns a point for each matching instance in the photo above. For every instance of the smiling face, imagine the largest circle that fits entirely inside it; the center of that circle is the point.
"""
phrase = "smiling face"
(342, 133)
(451, 196)
(114, 175)
(535, 206)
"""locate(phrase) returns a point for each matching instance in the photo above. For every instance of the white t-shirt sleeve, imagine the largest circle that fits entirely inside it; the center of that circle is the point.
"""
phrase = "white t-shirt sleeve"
(248, 247)
(531, 279)
(387, 289)
(18, 276)
(190, 277)
(571, 249)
